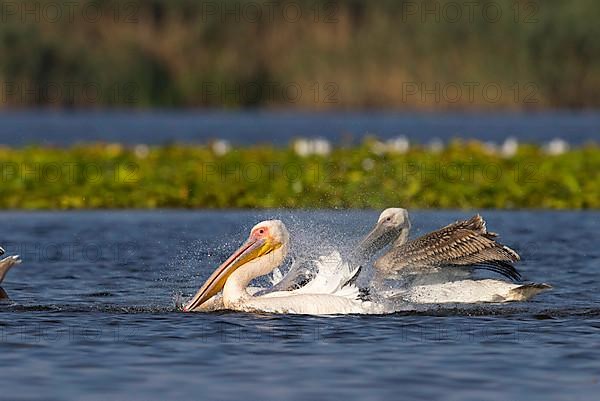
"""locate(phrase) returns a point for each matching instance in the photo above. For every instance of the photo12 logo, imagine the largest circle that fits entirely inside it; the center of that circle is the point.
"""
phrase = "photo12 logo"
(35, 12)
(68, 92)
(460, 173)
(69, 172)
(270, 11)
(269, 92)
(67, 252)
(471, 92)
(451, 12)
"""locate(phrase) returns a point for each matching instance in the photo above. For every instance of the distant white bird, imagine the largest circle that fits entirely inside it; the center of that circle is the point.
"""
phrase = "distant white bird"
(221, 147)
(436, 145)
(307, 147)
(400, 144)
(510, 147)
(556, 147)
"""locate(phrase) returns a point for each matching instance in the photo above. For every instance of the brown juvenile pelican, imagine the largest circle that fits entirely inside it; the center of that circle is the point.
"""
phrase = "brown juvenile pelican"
(456, 247)
(5, 265)
(465, 244)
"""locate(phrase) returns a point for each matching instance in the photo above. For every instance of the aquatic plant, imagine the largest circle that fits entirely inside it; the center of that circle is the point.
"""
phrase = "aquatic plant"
(464, 174)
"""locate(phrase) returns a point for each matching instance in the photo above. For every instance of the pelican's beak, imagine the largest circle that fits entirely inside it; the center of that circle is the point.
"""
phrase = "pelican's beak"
(253, 248)
(378, 238)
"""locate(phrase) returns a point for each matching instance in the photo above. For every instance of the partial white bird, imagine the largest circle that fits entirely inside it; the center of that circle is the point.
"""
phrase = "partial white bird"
(5, 265)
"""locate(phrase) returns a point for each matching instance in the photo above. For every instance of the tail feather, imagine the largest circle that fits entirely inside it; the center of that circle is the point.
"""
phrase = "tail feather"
(526, 291)
(501, 267)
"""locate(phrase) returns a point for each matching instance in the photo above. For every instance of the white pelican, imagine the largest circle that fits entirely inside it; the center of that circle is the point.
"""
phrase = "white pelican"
(265, 250)
(5, 266)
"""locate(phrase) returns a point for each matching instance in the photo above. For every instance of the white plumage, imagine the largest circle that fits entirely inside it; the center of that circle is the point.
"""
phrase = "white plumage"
(328, 293)
(466, 291)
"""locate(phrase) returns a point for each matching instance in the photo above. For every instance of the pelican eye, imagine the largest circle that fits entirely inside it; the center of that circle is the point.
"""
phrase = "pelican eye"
(260, 232)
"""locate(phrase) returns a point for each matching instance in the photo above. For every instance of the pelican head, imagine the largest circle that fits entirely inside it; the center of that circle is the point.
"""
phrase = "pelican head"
(393, 225)
(265, 249)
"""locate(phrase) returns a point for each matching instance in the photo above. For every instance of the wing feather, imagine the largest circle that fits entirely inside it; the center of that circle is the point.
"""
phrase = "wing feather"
(463, 243)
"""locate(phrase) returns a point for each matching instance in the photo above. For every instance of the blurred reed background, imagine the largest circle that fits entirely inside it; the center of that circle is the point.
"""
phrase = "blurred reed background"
(472, 61)
(345, 53)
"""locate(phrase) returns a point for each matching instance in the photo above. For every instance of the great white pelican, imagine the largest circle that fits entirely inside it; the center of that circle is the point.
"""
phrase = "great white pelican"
(265, 250)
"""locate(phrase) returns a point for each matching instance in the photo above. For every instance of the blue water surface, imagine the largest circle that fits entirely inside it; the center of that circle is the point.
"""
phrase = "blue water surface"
(157, 127)
(92, 316)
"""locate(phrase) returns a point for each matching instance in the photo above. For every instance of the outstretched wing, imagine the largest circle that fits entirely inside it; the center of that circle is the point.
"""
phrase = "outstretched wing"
(301, 272)
(464, 243)
(334, 276)
(304, 271)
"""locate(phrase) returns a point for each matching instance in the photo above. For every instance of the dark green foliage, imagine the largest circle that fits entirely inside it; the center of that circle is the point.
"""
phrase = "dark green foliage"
(464, 175)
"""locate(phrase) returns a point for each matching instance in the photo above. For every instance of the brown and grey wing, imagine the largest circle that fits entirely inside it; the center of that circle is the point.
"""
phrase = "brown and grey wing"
(475, 224)
(464, 243)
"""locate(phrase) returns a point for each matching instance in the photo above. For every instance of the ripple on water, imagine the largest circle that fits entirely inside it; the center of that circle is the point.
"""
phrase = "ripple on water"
(76, 326)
